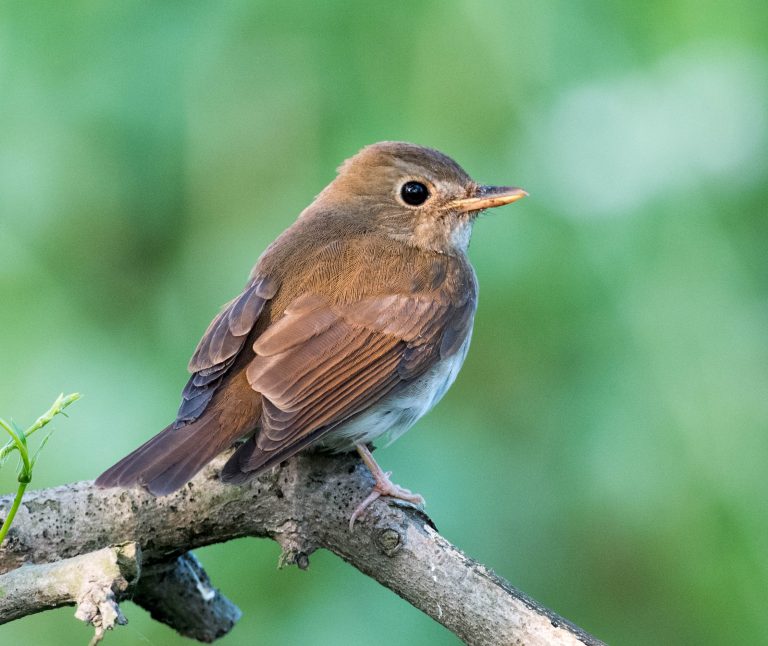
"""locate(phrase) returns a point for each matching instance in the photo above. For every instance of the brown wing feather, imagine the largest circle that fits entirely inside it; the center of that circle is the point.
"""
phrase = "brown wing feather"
(279, 427)
(323, 363)
(226, 333)
(219, 347)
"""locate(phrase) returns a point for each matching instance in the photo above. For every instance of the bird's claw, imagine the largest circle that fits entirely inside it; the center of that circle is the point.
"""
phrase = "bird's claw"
(390, 490)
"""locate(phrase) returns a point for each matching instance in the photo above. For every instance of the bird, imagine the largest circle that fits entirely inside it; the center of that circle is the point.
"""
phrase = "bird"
(352, 325)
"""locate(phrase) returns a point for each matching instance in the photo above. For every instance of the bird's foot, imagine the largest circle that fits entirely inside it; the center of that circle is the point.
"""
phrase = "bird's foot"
(383, 487)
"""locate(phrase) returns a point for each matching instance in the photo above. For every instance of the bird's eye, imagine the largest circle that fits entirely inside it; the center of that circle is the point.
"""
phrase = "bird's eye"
(414, 193)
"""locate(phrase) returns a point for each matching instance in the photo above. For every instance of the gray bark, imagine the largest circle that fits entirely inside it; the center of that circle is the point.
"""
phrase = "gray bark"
(304, 505)
(93, 582)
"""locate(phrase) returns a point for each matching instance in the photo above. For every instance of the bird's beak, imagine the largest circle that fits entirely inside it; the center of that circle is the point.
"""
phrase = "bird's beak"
(487, 197)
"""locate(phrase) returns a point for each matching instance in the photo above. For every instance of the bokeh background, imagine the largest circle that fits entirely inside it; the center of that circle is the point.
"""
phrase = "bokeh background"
(605, 447)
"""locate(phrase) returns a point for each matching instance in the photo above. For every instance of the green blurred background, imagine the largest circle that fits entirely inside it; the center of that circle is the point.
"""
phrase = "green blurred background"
(605, 446)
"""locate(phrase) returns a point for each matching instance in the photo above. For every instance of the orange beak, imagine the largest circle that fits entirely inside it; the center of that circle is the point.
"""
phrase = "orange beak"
(487, 197)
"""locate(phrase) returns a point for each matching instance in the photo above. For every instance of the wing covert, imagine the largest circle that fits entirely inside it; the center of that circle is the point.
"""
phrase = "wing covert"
(220, 346)
(321, 363)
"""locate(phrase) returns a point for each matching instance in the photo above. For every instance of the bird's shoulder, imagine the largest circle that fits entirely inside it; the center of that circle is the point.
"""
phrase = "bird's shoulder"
(359, 265)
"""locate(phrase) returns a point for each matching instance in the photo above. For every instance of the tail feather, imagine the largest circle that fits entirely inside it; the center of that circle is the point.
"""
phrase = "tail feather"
(233, 472)
(249, 460)
(169, 460)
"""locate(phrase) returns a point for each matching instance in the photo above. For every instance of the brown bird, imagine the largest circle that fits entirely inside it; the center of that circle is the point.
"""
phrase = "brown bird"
(352, 325)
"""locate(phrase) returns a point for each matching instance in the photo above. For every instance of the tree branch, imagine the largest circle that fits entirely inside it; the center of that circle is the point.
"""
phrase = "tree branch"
(179, 594)
(304, 505)
(90, 581)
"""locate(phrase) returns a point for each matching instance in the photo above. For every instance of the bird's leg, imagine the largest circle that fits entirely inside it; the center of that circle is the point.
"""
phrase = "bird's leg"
(383, 487)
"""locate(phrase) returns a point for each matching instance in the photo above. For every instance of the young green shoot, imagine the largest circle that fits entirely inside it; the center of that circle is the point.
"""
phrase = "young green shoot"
(18, 442)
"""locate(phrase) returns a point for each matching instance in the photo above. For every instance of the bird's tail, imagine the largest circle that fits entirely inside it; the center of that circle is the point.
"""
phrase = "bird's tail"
(169, 460)
(249, 460)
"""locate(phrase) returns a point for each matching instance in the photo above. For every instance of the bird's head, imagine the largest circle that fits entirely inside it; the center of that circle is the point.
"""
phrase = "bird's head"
(410, 193)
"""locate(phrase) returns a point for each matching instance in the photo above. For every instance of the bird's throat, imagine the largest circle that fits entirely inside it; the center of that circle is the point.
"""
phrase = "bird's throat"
(449, 234)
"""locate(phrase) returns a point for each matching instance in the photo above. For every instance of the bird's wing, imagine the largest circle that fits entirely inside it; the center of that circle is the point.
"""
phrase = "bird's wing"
(321, 364)
(220, 346)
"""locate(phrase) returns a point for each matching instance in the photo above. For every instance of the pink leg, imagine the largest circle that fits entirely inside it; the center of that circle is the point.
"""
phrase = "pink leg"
(383, 487)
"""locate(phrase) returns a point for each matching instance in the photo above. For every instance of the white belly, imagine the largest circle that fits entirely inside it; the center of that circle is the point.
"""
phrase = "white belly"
(397, 412)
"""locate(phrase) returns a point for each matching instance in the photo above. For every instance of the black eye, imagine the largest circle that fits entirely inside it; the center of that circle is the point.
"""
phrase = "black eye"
(414, 193)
